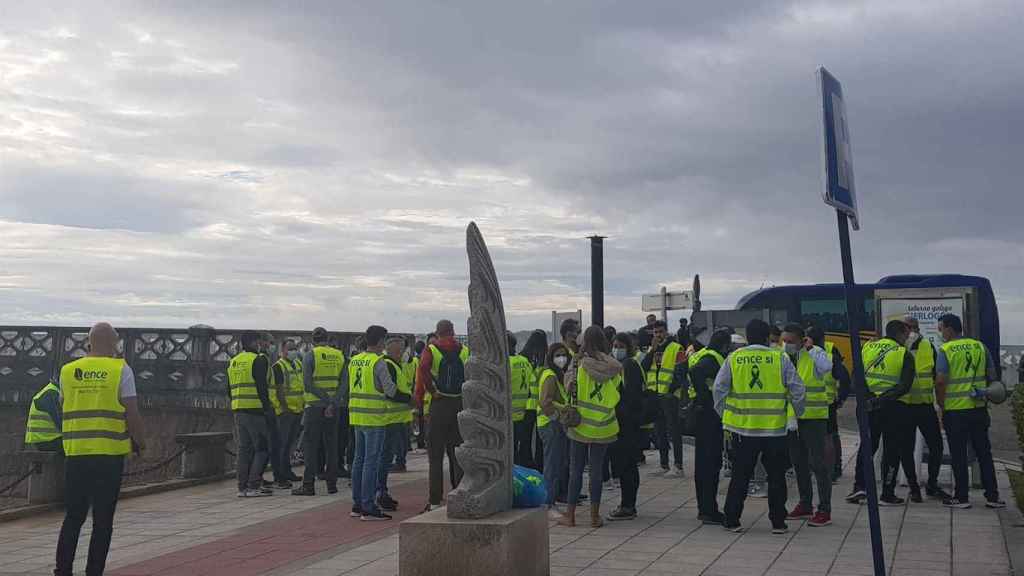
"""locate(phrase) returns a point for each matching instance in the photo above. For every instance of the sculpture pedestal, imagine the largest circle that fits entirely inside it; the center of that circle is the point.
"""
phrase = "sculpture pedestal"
(510, 543)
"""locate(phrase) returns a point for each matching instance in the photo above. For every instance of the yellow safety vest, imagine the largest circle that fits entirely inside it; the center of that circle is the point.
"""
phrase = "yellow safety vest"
(327, 366)
(756, 404)
(967, 359)
(94, 423)
(542, 419)
(294, 389)
(243, 386)
(883, 364)
(596, 402)
(830, 382)
(817, 399)
(923, 390)
(522, 374)
(436, 355)
(399, 412)
(366, 406)
(659, 376)
(40, 426)
(694, 360)
(532, 403)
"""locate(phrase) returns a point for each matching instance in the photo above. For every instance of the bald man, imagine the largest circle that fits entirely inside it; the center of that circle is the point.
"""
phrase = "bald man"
(100, 422)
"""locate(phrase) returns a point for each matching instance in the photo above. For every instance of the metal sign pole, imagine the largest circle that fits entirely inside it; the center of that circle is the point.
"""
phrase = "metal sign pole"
(867, 460)
(664, 305)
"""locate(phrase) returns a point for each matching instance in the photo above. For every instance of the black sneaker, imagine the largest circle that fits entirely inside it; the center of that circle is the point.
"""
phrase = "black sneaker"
(937, 493)
(713, 519)
(915, 497)
(954, 503)
(304, 491)
(997, 503)
(856, 496)
(332, 489)
(780, 529)
(386, 504)
(737, 528)
(377, 516)
(267, 484)
(891, 500)
(621, 513)
(356, 511)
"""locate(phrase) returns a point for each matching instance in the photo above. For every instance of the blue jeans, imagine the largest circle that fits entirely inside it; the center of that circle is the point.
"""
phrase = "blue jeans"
(392, 446)
(366, 466)
(556, 458)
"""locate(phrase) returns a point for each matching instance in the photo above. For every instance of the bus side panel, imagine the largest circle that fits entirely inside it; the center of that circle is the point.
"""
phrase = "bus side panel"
(842, 343)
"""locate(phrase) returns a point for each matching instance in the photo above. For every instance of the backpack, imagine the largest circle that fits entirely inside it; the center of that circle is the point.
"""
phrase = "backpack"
(451, 374)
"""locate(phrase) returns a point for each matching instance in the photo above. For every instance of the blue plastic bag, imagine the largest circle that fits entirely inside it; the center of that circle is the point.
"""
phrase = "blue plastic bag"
(528, 489)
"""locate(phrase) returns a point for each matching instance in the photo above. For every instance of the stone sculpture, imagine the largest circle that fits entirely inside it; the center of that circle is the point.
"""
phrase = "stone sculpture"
(485, 421)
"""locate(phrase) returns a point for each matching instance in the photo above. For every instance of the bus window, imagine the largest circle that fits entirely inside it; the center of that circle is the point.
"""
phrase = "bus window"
(830, 314)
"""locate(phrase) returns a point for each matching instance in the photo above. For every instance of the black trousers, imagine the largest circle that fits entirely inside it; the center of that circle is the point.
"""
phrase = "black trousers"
(668, 431)
(345, 448)
(773, 453)
(707, 461)
(888, 425)
(922, 417)
(965, 427)
(318, 426)
(89, 482)
(624, 466)
(538, 447)
(522, 452)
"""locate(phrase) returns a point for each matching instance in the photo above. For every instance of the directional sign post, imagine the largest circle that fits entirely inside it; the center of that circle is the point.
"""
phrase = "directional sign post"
(840, 194)
(665, 301)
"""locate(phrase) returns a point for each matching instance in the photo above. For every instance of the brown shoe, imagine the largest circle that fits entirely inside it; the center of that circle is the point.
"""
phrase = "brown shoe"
(569, 518)
(595, 516)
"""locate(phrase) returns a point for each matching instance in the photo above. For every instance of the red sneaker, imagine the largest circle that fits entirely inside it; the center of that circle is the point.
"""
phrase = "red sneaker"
(820, 519)
(800, 512)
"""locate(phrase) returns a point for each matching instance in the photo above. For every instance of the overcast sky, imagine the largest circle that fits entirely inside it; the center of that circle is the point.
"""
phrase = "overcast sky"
(283, 166)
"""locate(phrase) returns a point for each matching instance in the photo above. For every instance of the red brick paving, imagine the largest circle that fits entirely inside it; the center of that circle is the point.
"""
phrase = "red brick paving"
(268, 545)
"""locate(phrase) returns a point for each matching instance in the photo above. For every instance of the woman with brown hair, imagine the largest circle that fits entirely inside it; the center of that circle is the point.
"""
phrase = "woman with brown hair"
(552, 410)
(592, 382)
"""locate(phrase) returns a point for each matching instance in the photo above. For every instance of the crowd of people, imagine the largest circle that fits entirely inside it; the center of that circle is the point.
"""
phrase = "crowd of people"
(589, 404)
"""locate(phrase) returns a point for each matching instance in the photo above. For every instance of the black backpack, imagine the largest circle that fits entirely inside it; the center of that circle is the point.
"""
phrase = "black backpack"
(451, 374)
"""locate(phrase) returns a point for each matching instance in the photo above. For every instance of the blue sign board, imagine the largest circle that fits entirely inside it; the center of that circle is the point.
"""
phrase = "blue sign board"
(840, 191)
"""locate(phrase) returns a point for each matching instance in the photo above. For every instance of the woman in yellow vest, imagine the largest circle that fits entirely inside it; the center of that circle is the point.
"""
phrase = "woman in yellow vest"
(551, 407)
(534, 351)
(592, 382)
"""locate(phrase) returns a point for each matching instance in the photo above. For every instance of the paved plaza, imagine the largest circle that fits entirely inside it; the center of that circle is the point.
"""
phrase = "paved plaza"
(207, 530)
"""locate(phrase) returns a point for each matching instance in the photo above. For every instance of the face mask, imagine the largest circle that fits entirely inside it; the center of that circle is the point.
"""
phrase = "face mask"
(792, 349)
(619, 354)
(561, 361)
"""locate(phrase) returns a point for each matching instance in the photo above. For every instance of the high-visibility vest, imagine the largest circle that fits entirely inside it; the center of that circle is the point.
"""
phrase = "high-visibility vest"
(366, 406)
(817, 399)
(398, 412)
(923, 389)
(968, 366)
(659, 377)
(243, 386)
(756, 404)
(533, 403)
(694, 359)
(436, 355)
(831, 386)
(522, 373)
(427, 398)
(328, 363)
(560, 402)
(93, 417)
(883, 364)
(294, 389)
(41, 427)
(596, 402)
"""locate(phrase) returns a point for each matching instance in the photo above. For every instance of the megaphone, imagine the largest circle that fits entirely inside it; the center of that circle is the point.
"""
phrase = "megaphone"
(996, 392)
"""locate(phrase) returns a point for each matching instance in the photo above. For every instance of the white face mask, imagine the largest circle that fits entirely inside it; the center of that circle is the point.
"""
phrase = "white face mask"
(619, 354)
(561, 361)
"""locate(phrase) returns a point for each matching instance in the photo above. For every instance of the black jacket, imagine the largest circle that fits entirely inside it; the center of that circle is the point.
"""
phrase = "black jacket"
(630, 409)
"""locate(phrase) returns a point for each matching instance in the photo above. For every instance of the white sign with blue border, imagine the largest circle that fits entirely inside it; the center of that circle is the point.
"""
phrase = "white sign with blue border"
(840, 191)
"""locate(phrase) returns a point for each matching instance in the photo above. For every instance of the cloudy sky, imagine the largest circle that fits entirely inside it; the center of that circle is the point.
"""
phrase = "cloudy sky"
(282, 166)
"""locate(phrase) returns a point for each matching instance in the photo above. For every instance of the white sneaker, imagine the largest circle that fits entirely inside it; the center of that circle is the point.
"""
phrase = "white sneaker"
(675, 473)
(241, 493)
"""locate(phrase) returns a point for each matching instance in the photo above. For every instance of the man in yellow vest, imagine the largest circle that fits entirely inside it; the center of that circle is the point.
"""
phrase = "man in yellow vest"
(708, 438)
(665, 370)
(889, 373)
(570, 333)
(323, 370)
(42, 430)
(807, 445)
(370, 388)
(399, 414)
(521, 372)
(920, 415)
(964, 367)
(838, 385)
(287, 398)
(248, 376)
(752, 391)
(101, 425)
